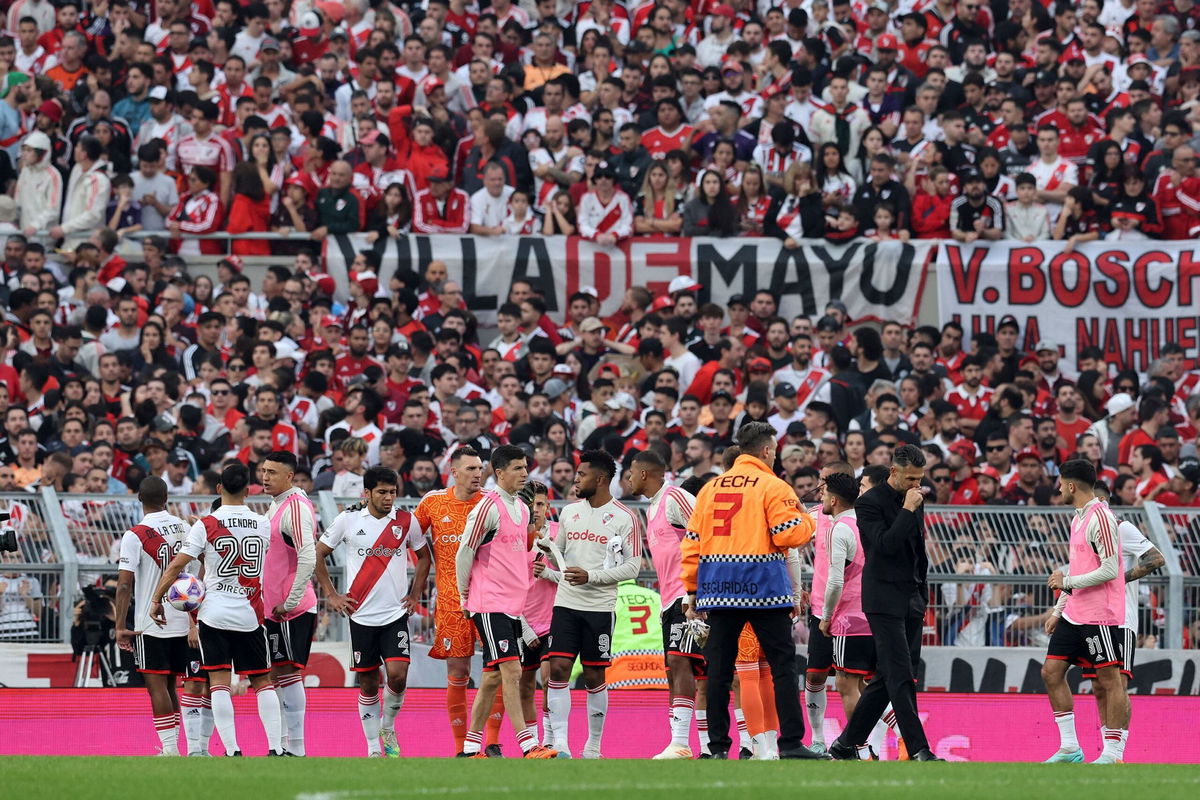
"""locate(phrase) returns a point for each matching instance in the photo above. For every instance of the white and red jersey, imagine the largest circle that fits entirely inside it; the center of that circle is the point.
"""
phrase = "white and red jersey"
(33, 63)
(172, 132)
(845, 553)
(293, 532)
(451, 215)
(970, 406)
(659, 142)
(545, 188)
(1054, 176)
(500, 575)
(372, 181)
(1094, 539)
(233, 542)
(214, 152)
(666, 523)
(376, 559)
(614, 217)
(146, 550)
(772, 160)
(751, 104)
(275, 116)
(228, 102)
(369, 433)
(807, 383)
(1076, 141)
(1134, 545)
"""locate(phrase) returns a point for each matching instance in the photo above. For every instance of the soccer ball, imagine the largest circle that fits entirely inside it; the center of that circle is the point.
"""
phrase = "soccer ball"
(186, 593)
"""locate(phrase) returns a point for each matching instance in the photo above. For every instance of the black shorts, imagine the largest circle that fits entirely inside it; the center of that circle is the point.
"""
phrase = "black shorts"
(372, 645)
(242, 651)
(1087, 646)
(1129, 648)
(586, 634)
(678, 639)
(193, 672)
(501, 637)
(854, 654)
(820, 647)
(161, 655)
(291, 640)
(531, 657)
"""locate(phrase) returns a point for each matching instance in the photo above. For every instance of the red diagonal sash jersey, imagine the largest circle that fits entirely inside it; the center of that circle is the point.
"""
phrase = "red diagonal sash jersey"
(146, 549)
(376, 561)
(233, 541)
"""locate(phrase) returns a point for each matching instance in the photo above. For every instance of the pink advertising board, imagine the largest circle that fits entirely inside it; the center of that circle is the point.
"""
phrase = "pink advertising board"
(961, 727)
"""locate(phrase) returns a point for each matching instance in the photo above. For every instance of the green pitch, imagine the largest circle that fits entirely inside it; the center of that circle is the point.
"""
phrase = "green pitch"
(362, 779)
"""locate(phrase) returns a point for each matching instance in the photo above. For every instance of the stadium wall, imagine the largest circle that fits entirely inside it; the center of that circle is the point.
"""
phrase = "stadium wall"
(960, 727)
(956, 670)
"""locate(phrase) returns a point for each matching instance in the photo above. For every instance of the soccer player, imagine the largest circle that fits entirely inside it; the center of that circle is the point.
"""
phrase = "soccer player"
(378, 600)
(442, 514)
(233, 542)
(1085, 626)
(1139, 558)
(492, 569)
(160, 653)
(539, 609)
(666, 522)
(288, 591)
(734, 568)
(842, 619)
(600, 541)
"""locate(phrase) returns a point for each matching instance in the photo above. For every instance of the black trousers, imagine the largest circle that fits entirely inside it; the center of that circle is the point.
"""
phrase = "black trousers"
(898, 652)
(773, 627)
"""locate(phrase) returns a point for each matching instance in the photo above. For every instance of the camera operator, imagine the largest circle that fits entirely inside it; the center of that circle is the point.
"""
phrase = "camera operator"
(93, 626)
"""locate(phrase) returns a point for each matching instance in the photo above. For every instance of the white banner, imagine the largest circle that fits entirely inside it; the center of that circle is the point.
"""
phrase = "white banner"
(1127, 298)
(877, 281)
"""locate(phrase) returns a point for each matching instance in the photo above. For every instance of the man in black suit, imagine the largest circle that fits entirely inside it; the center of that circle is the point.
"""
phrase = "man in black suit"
(891, 526)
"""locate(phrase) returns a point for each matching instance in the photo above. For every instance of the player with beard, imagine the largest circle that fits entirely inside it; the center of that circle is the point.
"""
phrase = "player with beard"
(599, 544)
(442, 514)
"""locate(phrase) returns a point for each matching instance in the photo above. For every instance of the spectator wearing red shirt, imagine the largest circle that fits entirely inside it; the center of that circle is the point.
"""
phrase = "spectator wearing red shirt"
(931, 205)
(1153, 414)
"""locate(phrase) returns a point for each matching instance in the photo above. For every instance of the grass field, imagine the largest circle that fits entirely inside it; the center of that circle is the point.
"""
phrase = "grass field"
(361, 779)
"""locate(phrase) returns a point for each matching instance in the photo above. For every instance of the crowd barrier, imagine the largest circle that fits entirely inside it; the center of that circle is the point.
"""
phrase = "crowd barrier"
(988, 567)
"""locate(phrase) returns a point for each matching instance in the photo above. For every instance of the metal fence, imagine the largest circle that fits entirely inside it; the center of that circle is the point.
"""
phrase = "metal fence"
(988, 567)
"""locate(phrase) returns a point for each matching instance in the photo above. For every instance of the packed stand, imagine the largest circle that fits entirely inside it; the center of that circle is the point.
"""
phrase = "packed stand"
(1018, 120)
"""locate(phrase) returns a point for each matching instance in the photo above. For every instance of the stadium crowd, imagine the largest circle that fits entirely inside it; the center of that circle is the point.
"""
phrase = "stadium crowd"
(960, 120)
(818, 118)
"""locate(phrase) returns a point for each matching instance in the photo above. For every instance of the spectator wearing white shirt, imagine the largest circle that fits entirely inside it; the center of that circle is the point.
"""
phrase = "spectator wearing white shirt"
(679, 357)
(489, 205)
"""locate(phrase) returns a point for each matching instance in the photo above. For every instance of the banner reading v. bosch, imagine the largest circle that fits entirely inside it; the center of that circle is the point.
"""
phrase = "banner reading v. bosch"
(876, 281)
(1127, 298)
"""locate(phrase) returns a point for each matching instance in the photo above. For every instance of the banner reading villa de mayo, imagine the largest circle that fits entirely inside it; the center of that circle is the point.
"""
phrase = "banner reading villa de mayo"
(876, 281)
(1127, 298)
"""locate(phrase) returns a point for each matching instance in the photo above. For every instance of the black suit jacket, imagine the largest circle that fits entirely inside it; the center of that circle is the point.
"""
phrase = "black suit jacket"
(896, 566)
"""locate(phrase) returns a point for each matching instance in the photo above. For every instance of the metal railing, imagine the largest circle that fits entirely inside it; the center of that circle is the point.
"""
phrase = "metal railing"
(988, 565)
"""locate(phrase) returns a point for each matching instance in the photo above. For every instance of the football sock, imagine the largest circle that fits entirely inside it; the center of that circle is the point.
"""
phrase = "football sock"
(272, 720)
(1114, 742)
(889, 719)
(527, 739)
(368, 714)
(547, 729)
(392, 703)
(597, 708)
(1066, 730)
(558, 697)
(168, 734)
(456, 707)
(864, 752)
(878, 736)
(743, 733)
(294, 700)
(222, 711)
(531, 726)
(752, 710)
(814, 700)
(473, 742)
(492, 731)
(206, 724)
(192, 708)
(702, 729)
(681, 719)
(766, 691)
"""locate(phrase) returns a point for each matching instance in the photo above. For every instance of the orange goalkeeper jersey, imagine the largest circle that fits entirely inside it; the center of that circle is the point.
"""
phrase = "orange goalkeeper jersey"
(735, 550)
(443, 517)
